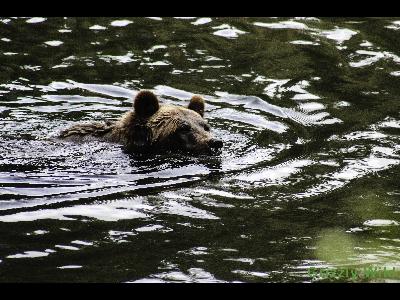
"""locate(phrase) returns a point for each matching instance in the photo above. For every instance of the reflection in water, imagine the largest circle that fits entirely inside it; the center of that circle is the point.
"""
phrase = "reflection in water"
(308, 112)
(334, 246)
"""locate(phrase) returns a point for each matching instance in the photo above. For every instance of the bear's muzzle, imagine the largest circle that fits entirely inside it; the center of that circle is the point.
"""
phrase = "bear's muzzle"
(215, 143)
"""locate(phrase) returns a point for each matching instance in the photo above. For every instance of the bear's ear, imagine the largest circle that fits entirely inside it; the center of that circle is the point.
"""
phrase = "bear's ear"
(145, 104)
(197, 104)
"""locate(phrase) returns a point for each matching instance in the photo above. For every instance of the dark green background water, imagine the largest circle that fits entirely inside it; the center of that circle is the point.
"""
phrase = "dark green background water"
(308, 109)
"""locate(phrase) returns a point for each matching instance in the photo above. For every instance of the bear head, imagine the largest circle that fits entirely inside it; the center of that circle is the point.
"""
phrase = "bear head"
(172, 127)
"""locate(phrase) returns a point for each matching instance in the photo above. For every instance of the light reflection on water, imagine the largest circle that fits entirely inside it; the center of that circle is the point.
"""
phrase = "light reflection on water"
(307, 109)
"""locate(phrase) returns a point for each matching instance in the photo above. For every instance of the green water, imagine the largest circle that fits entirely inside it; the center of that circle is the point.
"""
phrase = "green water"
(308, 110)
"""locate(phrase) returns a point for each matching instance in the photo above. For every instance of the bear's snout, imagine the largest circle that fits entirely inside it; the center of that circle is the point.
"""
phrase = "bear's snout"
(215, 143)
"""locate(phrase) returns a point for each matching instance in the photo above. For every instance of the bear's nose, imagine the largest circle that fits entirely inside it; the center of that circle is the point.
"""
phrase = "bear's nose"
(215, 144)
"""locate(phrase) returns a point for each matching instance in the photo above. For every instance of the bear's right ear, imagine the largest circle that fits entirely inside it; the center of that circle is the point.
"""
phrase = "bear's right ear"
(145, 104)
(197, 104)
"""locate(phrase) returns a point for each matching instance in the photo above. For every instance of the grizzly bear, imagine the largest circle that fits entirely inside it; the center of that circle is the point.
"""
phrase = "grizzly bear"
(151, 126)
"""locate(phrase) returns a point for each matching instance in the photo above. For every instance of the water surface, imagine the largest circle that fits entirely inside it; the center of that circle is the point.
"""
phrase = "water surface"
(308, 110)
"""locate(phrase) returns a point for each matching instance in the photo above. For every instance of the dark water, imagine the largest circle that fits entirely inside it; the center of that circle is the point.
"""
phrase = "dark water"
(308, 177)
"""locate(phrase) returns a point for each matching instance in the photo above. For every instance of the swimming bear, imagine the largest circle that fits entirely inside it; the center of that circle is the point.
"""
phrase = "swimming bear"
(151, 126)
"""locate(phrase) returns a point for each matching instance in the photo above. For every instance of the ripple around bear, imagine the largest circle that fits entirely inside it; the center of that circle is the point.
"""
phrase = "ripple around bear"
(151, 126)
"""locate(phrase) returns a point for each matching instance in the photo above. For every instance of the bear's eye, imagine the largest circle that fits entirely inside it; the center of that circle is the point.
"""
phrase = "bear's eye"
(184, 128)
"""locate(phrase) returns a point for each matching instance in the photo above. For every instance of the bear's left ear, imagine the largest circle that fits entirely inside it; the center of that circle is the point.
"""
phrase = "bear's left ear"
(197, 104)
(145, 104)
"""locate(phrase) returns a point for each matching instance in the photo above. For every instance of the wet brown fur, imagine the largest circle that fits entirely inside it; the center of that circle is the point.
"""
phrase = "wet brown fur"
(150, 125)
